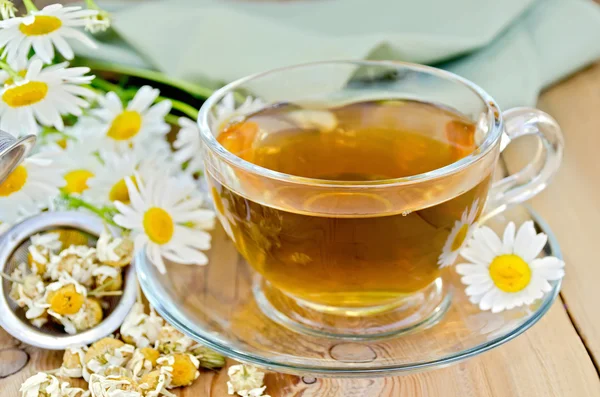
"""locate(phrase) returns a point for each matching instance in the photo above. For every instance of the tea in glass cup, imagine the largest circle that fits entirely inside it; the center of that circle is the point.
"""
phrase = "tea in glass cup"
(351, 200)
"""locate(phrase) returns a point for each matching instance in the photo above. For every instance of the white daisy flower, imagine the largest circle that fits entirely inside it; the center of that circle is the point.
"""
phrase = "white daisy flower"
(42, 97)
(137, 124)
(504, 274)
(109, 183)
(99, 22)
(30, 187)
(7, 9)
(160, 215)
(80, 167)
(460, 233)
(188, 147)
(43, 30)
(244, 377)
(227, 113)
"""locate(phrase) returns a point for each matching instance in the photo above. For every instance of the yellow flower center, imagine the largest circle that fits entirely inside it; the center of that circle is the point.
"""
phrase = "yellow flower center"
(510, 273)
(62, 143)
(125, 126)
(77, 181)
(460, 237)
(26, 94)
(119, 192)
(14, 182)
(11, 81)
(66, 300)
(42, 24)
(158, 225)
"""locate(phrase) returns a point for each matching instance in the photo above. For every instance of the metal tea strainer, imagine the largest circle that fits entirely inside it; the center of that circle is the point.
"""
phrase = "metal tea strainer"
(13, 251)
(13, 151)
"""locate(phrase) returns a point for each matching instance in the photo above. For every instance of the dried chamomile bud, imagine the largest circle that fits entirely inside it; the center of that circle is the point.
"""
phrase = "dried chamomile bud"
(143, 361)
(108, 278)
(141, 329)
(46, 385)
(156, 383)
(244, 378)
(183, 368)
(78, 262)
(28, 288)
(88, 317)
(172, 341)
(104, 346)
(258, 392)
(114, 251)
(322, 120)
(41, 248)
(73, 363)
(65, 298)
(104, 354)
(208, 358)
(113, 386)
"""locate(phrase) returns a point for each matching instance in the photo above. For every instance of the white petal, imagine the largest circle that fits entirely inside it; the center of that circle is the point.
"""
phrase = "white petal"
(508, 240)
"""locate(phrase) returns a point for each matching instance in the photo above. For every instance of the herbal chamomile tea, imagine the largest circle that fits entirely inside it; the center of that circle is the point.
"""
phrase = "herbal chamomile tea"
(358, 260)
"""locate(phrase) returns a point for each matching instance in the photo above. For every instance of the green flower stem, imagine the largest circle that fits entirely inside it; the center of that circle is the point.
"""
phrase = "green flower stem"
(29, 6)
(172, 119)
(107, 86)
(194, 89)
(106, 213)
(11, 72)
(183, 107)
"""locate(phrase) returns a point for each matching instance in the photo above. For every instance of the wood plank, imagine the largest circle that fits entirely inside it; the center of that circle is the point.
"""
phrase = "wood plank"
(548, 360)
(571, 203)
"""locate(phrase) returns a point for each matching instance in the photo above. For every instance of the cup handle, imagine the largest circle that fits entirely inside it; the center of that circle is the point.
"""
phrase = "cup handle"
(534, 177)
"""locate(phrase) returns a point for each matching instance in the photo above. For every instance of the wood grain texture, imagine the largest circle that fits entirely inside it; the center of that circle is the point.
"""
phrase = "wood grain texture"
(571, 203)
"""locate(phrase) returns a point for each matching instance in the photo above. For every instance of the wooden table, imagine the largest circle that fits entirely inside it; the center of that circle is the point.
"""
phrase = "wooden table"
(557, 357)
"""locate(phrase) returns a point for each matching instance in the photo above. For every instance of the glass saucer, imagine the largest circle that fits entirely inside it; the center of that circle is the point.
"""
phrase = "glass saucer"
(216, 306)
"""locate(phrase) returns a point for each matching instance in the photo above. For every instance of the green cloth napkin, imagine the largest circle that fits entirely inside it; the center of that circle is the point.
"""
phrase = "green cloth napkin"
(511, 48)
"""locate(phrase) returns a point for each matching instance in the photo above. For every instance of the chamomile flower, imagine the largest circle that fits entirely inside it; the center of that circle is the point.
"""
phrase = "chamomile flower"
(30, 187)
(460, 233)
(43, 384)
(162, 216)
(72, 365)
(504, 274)
(109, 183)
(244, 378)
(114, 386)
(183, 368)
(156, 383)
(227, 113)
(140, 328)
(7, 9)
(188, 147)
(42, 97)
(80, 167)
(172, 341)
(114, 251)
(43, 30)
(139, 123)
(99, 22)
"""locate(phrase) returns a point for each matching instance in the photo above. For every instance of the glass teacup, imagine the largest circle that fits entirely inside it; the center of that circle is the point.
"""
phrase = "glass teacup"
(350, 187)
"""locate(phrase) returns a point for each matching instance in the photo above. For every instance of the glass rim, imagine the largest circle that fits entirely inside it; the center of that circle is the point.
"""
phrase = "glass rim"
(494, 121)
